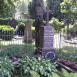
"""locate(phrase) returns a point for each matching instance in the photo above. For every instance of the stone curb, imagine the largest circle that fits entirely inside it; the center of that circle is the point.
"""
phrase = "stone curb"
(70, 41)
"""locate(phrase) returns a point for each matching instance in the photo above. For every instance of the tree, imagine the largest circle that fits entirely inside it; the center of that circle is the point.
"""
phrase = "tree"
(69, 7)
(54, 5)
(38, 19)
(31, 9)
(5, 7)
(22, 7)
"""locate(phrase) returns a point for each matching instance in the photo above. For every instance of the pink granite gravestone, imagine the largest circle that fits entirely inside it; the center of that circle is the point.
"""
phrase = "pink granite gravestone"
(46, 40)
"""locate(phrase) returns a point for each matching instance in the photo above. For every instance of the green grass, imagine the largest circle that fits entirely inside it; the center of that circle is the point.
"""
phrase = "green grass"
(70, 49)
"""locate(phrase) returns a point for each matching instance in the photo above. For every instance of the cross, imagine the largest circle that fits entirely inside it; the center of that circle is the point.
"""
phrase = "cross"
(47, 11)
(64, 20)
(28, 17)
(68, 21)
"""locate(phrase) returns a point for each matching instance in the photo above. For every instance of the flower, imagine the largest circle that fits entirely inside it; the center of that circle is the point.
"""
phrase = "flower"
(13, 59)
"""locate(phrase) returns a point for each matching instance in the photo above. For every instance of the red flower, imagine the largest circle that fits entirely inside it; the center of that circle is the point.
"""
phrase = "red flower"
(38, 55)
(13, 59)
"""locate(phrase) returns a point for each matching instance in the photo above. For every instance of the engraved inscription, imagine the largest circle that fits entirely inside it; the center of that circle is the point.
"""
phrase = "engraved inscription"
(48, 37)
(48, 44)
(48, 34)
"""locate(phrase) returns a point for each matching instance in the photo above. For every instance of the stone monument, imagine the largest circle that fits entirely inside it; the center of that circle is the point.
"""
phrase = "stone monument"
(13, 24)
(28, 31)
(46, 40)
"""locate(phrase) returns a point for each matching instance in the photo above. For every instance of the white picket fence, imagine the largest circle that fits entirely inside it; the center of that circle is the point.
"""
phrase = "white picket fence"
(18, 39)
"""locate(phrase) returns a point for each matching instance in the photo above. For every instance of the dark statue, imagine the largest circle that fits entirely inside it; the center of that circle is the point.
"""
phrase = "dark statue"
(38, 20)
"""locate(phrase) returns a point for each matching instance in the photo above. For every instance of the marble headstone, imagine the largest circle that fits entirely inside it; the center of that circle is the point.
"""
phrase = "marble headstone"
(46, 41)
(13, 23)
(28, 31)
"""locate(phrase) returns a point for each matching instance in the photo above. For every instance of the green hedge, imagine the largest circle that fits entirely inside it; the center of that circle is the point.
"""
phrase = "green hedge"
(21, 27)
(5, 21)
(6, 32)
(56, 24)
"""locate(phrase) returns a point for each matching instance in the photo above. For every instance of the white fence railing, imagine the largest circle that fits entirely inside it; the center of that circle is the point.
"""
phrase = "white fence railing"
(9, 39)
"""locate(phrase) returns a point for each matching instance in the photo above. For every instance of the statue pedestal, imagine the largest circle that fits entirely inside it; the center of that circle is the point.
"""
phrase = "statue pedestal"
(51, 54)
(67, 37)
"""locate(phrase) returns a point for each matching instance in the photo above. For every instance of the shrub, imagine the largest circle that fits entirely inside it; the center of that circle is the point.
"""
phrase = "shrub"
(64, 73)
(21, 27)
(6, 32)
(20, 20)
(34, 74)
(6, 67)
(71, 58)
(33, 32)
(41, 66)
(56, 24)
(12, 51)
(5, 21)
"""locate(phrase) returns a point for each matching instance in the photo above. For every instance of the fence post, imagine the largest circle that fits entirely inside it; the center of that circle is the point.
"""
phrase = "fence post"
(27, 36)
(60, 41)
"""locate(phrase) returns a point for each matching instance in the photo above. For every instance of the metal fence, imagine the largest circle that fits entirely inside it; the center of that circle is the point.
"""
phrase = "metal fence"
(8, 39)
(17, 39)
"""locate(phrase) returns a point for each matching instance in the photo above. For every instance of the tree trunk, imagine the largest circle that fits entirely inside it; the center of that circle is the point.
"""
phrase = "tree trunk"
(38, 20)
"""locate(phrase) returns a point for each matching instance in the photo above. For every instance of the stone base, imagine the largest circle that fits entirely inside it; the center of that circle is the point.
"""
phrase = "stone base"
(29, 41)
(44, 52)
(73, 34)
(67, 37)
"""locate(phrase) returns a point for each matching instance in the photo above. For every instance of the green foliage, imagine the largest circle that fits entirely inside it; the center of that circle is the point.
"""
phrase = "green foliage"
(34, 74)
(55, 5)
(31, 9)
(6, 67)
(71, 58)
(5, 21)
(63, 73)
(5, 8)
(41, 66)
(20, 20)
(66, 74)
(22, 7)
(70, 29)
(6, 32)
(69, 7)
(33, 32)
(12, 51)
(20, 29)
(56, 24)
